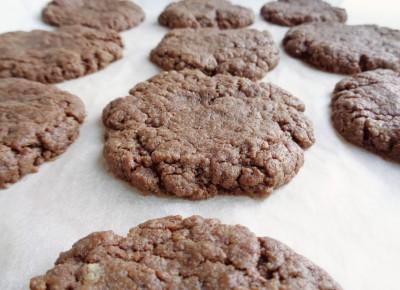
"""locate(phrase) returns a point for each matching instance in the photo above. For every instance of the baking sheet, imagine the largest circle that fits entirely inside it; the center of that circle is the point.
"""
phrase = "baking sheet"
(342, 210)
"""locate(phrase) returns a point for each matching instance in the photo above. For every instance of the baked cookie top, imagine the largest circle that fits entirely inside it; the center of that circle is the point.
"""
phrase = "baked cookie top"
(51, 57)
(241, 52)
(37, 123)
(177, 253)
(346, 49)
(366, 111)
(118, 15)
(206, 13)
(295, 12)
(194, 136)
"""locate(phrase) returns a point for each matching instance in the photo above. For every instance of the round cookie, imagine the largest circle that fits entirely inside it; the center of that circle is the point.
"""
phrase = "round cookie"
(37, 123)
(206, 13)
(118, 15)
(193, 136)
(241, 52)
(51, 57)
(176, 253)
(346, 49)
(295, 12)
(366, 111)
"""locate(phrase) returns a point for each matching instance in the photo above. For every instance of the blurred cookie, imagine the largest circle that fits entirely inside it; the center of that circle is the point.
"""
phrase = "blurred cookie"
(241, 52)
(366, 111)
(118, 15)
(51, 57)
(37, 123)
(206, 13)
(176, 253)
(295, 12)
(346, 49)
(193, 136)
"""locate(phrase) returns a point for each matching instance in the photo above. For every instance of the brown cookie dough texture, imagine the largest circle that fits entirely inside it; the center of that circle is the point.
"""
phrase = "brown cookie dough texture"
(240, 52)
(118, 15)
(206, 13)
(295, 12)
(194, 136)
(366, 111)
(346, 49)
(51, 57)
(177, 253)
(37, 123)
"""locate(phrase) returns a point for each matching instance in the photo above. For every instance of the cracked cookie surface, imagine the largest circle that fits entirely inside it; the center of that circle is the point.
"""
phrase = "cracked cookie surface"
(194, 136)
(118, 15)
(206, 13)
(37, 123)
(366, 111)
(51, 57)
(346, 49)
(177, 253)
(295, 12)
(241, 52)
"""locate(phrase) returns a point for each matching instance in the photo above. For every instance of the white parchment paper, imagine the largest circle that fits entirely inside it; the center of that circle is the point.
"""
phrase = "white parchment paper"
(342, 210)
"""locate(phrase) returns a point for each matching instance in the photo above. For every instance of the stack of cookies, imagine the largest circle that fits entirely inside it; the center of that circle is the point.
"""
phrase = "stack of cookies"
(206, 126)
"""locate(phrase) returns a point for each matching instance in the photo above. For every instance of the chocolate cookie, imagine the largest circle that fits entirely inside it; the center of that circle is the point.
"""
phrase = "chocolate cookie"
(118, 15)
(347, 49)
(194, 136)
(37, 123)
(176, 253)
(51, 57)
(366, 111)
(295, 12)
(240, 52)
(206, 13)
